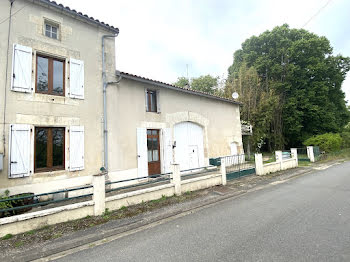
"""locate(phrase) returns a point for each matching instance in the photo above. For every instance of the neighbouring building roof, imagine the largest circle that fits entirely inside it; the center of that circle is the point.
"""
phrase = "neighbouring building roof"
(173, 87)
(76, 14)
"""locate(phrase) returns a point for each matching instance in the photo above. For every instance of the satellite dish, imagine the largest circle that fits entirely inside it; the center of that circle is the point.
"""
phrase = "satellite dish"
(235, 95)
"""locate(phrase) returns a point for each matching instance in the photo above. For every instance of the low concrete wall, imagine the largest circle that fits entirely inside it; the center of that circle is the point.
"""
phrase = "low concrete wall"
(280, 164)
(30, 221)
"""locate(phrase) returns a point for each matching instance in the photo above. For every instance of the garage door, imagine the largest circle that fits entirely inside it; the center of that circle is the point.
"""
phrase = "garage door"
(189, 151)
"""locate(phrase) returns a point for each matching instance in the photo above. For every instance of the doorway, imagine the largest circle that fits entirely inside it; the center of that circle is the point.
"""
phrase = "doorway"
(153, 151)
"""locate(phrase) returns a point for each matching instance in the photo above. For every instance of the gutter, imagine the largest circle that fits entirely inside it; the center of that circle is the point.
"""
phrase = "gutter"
(164, 85)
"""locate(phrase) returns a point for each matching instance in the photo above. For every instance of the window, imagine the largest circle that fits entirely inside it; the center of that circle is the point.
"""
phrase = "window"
(50, 75)
(153, 145)
(51, 30)
(151, 101)
(49, 148)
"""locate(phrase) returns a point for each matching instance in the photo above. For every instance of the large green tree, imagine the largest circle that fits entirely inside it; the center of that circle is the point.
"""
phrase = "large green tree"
(297, 91)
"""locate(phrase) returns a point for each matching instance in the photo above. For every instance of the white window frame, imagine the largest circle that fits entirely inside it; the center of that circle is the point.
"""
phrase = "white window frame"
(52, 24)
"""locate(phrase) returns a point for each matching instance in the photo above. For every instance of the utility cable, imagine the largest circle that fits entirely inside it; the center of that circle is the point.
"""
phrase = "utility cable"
(317, 13)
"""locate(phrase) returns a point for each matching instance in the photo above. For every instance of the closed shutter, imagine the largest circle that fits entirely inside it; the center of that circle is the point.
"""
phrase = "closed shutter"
(168, 149)
(142, 161)
(21, 80)
(158, 101)
(76, 148)
(20, 146)
(76, 79)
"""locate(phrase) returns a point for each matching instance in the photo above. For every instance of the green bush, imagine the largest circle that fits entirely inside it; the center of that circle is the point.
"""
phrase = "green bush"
(346, 139)
(328, 142)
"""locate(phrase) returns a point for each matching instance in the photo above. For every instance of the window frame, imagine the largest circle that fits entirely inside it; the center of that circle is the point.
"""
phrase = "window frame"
(50, 159)
(51, 59)
(52, 24)
(149, 93)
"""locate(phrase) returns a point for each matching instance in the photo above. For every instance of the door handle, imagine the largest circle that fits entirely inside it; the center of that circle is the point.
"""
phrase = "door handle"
(13, 162)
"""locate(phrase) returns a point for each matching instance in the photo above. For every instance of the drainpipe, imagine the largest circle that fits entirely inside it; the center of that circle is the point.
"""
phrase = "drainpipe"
(105, 84)
(6, 74)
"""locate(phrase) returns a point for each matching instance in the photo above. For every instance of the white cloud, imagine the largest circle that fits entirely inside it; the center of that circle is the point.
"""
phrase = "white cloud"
(158, 38)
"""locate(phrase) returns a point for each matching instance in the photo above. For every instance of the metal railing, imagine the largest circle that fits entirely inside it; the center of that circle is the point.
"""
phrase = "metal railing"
(34, 199)
(286, 154)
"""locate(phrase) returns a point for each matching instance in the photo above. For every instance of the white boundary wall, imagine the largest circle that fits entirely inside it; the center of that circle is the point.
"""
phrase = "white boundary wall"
(278, 165)
(34, 220)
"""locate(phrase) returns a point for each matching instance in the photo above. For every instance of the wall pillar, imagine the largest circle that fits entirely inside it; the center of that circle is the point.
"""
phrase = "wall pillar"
(294, 152)
(259, 166)
(223, 172)
(279, 158)
(99, 194)
(176, 178)
(310, 153)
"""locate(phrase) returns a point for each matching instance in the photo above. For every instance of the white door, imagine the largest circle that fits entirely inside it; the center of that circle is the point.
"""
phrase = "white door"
(189, 151)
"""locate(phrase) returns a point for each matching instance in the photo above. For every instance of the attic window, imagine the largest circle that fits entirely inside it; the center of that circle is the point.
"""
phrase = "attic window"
(51, 30)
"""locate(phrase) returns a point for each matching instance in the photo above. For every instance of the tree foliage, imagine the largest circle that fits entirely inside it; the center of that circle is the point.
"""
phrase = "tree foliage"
(290, 84)
(205, 83)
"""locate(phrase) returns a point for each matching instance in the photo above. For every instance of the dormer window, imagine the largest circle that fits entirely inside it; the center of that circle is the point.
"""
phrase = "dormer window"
(51, 30)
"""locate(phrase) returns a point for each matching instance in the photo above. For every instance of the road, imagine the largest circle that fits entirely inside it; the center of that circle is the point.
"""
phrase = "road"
(303, 219)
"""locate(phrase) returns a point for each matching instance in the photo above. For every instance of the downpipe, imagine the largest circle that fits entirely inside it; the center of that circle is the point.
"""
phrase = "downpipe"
(105, 85)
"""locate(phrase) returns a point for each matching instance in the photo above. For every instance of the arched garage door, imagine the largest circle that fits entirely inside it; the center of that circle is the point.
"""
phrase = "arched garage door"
(189, 151)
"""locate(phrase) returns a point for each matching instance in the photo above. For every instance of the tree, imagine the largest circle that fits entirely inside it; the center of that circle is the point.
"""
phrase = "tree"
(182, 82)
(205, 83)
(297, 92)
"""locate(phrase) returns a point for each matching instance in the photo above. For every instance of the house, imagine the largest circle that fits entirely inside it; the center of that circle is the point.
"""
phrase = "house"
(66, 113)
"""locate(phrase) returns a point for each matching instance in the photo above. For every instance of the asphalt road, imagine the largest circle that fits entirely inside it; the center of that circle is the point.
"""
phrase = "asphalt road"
(303, 219)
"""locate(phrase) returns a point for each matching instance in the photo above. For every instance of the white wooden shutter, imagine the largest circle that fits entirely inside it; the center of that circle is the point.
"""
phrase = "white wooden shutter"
(19, 162)
(158, 101)
(21, 80)
(142, 159)
(76, 148)
(76, 79)
(168, 149)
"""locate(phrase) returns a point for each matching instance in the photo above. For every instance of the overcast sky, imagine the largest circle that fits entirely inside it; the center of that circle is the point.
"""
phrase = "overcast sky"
(158, 38)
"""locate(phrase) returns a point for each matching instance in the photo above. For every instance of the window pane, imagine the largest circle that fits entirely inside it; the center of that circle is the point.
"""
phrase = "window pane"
(154, 132)
(48, 33)
(149, 132)
(54, 30)
(54, 35)
(155, 143)
(57, 146)
(147, 101)
(155, 155)
(58, 77)
(48, 27)
(40, 147)
(149, 155)
(153, 102)
(42, 74)
(149, 143)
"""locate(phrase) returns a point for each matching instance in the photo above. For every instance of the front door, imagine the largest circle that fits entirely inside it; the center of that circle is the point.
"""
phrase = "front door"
(193, 156)
(153, 151)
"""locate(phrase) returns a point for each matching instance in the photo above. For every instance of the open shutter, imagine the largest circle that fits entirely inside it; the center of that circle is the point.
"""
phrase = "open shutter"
(158, 101)
(21, 69)
(168, 149)
(76, 148)
(76, 78)
(19, 165)
(142, 160)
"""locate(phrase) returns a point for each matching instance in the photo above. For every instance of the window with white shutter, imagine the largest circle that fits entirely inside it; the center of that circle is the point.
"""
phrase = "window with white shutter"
(76, 148)
(76, 79)
(20, 151)
(21, 80)
(142, 163)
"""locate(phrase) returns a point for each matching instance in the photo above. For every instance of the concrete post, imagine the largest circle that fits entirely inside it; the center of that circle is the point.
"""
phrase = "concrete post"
(294, 152)
(279, 158)
(310, 153)
(176, 179)
(259, 166)
(99, 194)
(223, 171)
